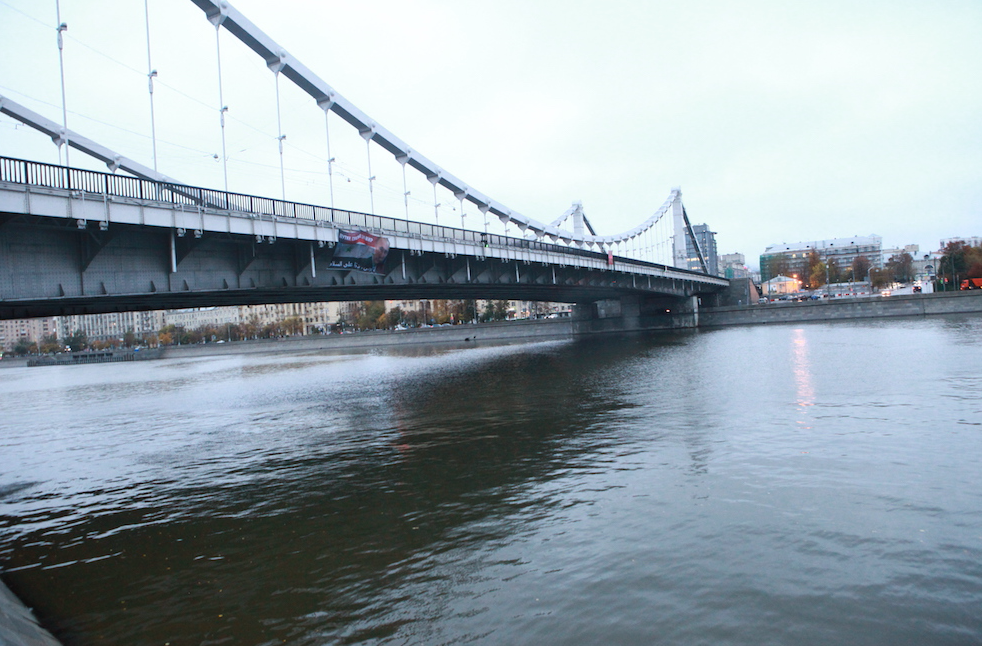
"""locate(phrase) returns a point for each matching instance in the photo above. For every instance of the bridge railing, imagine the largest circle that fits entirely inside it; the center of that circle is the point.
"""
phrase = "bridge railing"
(33, 173)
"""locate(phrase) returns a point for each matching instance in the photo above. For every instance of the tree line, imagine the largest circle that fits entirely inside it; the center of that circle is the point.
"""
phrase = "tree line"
(366, 315)
(958, 261)
(372, 315)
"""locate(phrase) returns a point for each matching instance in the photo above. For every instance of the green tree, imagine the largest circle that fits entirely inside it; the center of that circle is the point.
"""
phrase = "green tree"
(293, 325)
(902, 267)
(973, 262)
(495, 311)
(50, 345)
(249, 329)
(816, 276)
(24, 347)
(270, 330)
(441, 311)
(880, 278)
(392, 318)
(466, 310)
(371, 313)
(412, 318)
(835, 271)
(77, 341)
(860, 268)
(956, 259)
(812, 271)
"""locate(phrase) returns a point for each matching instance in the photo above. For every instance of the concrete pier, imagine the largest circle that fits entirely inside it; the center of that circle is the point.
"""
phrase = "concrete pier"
(18, 627)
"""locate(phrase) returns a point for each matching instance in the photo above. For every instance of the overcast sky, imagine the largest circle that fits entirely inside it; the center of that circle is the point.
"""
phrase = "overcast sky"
(781, 121)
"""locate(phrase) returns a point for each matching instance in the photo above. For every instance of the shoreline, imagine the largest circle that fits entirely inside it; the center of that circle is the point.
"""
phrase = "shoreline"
(522, 331)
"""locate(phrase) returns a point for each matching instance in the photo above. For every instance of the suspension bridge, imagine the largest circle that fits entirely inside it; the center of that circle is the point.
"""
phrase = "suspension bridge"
(78, 241)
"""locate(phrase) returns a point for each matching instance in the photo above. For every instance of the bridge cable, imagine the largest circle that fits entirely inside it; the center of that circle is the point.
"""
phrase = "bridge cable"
(151, 73)
(222, 108)
(371, 178)
(280, 136)
(330, 159)
(405, 190)
(63, 136)
(436, 205)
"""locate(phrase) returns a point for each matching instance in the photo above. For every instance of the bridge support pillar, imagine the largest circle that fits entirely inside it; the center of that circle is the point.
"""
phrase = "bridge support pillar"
(634, 313)
(686, 312)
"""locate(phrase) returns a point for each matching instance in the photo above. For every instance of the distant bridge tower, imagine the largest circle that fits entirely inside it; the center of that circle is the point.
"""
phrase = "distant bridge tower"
(679, 257)
(682, 229)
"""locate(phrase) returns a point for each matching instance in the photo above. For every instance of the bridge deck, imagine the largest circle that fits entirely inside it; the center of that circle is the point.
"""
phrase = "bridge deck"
(77, 240)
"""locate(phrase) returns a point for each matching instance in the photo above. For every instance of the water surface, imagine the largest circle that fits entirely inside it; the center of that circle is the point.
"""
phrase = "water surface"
(807, 484)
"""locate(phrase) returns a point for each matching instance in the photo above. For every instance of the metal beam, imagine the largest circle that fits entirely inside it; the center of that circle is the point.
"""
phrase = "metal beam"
(54, 130)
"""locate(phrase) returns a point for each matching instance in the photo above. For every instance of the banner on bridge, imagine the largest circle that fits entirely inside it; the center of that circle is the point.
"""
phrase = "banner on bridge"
(360, 250)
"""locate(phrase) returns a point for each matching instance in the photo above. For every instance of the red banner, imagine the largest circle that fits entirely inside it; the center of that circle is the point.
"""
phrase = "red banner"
(360, 250)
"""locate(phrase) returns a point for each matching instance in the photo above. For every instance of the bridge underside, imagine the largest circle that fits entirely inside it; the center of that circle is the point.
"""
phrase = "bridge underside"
(53, 266)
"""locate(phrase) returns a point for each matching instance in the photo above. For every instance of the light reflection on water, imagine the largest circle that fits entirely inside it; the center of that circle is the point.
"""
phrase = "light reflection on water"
(787, 484)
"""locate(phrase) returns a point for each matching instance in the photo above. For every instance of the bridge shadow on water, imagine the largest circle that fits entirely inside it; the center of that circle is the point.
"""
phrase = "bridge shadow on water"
(313, 502)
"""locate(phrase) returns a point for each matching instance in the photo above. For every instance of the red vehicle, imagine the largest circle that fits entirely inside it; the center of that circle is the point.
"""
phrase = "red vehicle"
(972, 283)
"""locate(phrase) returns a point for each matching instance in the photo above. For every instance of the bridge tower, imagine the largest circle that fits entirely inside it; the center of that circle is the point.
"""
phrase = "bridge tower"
(680, 258)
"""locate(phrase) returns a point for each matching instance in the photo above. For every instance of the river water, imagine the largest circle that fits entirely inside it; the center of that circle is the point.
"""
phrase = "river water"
(794, 484)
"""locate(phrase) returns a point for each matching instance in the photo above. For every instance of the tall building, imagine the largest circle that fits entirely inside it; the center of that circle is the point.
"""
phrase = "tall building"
(316, 317)
(792, 258)
(107, 327)
(733, 265)
(14, 331)
(887, 254)
(707, 244)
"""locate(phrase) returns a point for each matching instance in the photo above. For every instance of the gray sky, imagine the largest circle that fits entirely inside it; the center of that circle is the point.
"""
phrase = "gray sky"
(781, 121)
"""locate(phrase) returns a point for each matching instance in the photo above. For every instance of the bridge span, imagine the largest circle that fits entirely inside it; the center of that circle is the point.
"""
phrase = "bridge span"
(82, 242)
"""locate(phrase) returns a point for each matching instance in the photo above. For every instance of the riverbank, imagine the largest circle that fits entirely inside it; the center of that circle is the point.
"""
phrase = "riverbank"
(844, 309)
(502, 332)
(510, 331)
(840, 309)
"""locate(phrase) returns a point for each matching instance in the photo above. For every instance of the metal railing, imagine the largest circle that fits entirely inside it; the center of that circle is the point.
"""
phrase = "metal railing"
(20, 171)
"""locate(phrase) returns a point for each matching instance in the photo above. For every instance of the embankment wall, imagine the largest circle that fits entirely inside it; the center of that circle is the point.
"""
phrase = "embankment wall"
(18, 626)
(543, 329)
(842, 309)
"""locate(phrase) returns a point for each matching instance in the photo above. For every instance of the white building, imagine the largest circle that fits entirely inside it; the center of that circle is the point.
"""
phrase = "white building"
(780, 285)
(111, 326)
(733, 265)
(887, 254)
(317, 317)
(196, 317)
(971, 241)
(842, 250)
